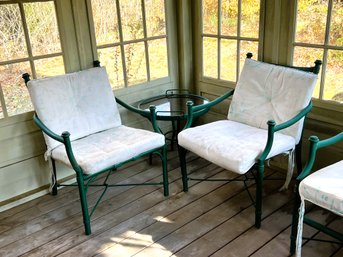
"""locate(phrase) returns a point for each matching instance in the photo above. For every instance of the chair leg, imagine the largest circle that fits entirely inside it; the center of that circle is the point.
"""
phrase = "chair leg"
(54, 178)
(259, 187)
(298, 157)
(84, 204)
(295, 219)
(182, 157)
(174, 136)
(150, 159)
(165, 171)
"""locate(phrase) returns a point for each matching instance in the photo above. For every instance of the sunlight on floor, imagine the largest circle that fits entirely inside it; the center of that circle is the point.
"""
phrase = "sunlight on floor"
(137, 242)
(163, 219)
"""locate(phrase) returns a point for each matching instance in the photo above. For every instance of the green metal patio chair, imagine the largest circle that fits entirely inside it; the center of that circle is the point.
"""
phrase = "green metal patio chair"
(265, 119)
(323, 188)
(82, 128)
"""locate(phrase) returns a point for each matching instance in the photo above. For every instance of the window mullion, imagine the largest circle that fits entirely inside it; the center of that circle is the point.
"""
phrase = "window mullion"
(202, 35)
(316, 45)
(322, 80)
(26, 59)
(27, 39)
(3, 104)
(121, 43)
(328, 22)
(261, 33)
(219, 31)
(145, 41)
(326, 43)
(239, 16)
(166, 14)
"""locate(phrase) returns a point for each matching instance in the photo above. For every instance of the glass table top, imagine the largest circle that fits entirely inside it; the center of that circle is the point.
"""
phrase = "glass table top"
(171, 105)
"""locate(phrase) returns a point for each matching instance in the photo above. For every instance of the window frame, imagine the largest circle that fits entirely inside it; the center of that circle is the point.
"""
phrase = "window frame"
(317, 102)
(30, 57)
(238, 38)
(145, 39)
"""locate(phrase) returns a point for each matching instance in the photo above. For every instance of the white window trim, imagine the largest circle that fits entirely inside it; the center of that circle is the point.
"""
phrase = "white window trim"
(122, 43)
(30, 57)
(320, 102)
(238, 38)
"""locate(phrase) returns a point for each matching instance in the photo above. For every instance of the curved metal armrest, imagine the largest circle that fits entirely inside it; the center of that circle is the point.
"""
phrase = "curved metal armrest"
(197, 111)
(295, 119)
(316, 144)
(64, 139)
(153, 119)
(272, 128)
(270, 140)
(151, 115)
(46, 130)
(133, 109)
(213, 103)
(69, 150)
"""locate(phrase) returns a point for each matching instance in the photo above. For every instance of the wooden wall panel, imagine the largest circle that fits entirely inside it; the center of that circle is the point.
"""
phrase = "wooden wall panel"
(22, 147)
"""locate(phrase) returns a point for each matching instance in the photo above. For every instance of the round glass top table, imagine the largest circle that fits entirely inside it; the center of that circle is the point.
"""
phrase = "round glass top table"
(171, 106)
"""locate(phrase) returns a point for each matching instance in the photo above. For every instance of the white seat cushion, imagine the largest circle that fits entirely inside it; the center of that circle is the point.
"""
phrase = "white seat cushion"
(80, 102)
(107, 148)
(325, 188)
(232, 145)
(268, 92)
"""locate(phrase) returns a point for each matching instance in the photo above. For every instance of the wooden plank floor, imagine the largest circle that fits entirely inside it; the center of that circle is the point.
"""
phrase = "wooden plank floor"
(212, 219)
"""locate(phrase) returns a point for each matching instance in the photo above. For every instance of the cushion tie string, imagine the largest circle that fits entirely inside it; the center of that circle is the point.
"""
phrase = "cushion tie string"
(47, 157)
(300, 228)
(290, 170)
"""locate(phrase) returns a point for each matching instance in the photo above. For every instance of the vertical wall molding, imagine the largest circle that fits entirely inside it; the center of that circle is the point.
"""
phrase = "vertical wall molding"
(278, 30)
(82, 31)
(185, 44)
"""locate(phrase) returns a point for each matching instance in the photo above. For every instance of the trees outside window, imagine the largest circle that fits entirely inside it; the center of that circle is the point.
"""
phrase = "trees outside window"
(29, 42)
(319, 35)
(131, 40)
(230, 29)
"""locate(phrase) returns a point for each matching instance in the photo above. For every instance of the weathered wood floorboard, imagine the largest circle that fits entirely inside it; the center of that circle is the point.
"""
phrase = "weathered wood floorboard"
(212, 219)
(138, 200)
(235, 225)
(49, 203)
(281, 241)
(68, 218)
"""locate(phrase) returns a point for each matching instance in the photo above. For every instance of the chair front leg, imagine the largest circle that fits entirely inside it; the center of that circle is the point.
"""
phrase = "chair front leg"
(259, 190)
(182, 157)
(295, 218)
(165, 171)
(84, 204)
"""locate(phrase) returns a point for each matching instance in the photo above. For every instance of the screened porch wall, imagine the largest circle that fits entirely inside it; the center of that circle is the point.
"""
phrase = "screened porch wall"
(24, 174)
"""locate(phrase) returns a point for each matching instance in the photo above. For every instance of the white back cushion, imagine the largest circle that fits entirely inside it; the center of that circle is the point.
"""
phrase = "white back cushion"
(81, 103)
(269, 92)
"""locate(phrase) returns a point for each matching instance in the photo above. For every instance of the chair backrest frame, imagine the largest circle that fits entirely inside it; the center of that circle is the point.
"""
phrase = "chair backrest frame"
(314, 69)
(81, 103)
(267, 91)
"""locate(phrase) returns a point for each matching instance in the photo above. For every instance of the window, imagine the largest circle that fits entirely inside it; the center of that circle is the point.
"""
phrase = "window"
(230, 29)
(29, 42)
(131, 40)
(319, 35)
